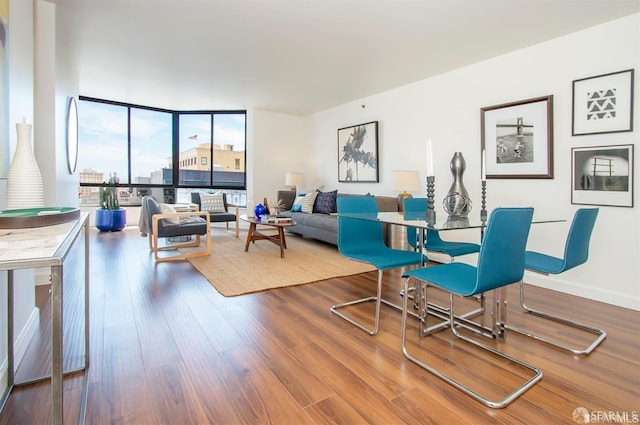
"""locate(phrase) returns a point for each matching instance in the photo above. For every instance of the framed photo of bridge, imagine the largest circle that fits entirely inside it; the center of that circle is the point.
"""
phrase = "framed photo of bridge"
(517, 139)
(602, 175)
(603, 104)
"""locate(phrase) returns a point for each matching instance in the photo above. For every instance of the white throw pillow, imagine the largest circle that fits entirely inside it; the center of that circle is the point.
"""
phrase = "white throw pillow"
(308, 201)
(168, 209)
(301, 191)
(297, 204)
(212, 202)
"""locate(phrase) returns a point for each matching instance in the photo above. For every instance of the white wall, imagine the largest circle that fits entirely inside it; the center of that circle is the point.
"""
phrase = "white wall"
(20, 106)
(446, 109)
(41, 77)
(67, 85)
(276, 143)
(55, 81)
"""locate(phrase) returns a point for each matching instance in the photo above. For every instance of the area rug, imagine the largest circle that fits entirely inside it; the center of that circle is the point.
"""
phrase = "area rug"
(235, 272)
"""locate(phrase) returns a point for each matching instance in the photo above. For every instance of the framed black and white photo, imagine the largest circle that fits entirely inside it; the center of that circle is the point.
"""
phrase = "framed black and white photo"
(358, 153)
(602, 175)
(517, 139)
(603, 104)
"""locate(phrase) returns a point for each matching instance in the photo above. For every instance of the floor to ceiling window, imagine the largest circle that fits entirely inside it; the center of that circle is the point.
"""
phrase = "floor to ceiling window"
(195, 148)
(151, 135)
(160, 152)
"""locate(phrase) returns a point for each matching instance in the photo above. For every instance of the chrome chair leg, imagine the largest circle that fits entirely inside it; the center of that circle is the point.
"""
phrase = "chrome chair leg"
(495, 404)
(425, 309)
(601, 334)
(442, 312)
(377, 299)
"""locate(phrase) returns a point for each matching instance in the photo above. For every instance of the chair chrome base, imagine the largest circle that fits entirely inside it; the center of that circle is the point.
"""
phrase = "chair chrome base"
(601, 334)
(452, 321)
(440, 311)
(426, 308)
(377, 299)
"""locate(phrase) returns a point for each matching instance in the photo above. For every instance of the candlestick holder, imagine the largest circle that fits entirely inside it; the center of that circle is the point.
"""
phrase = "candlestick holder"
(483, 211)
(431, 212)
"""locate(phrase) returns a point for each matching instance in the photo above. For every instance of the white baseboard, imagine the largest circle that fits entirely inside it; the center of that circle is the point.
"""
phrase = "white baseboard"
(21, 345)
(556, 284)
(596, 294)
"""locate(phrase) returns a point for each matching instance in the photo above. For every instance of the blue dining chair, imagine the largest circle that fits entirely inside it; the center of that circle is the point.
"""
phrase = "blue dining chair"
(417, 207)
(363, 240)
(576, 252)
(500, 263)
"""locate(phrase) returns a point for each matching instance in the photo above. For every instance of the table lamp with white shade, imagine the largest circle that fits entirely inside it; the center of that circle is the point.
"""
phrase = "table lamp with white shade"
(406, 181)
(294, 180)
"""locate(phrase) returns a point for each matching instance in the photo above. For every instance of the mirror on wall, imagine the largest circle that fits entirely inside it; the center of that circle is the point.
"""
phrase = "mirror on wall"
(72, 135)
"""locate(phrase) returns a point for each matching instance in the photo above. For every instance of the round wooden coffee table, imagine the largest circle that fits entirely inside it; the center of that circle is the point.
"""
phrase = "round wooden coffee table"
(254, 235)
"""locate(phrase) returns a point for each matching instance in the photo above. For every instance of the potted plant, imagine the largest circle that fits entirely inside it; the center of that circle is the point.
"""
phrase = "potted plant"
(109, 216)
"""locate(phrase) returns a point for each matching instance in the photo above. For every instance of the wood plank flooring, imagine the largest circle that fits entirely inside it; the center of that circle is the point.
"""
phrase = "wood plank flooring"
(167, 348)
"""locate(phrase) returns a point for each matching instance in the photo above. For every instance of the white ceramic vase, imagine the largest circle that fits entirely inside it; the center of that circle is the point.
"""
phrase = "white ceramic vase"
(24, 183)
(251, 206)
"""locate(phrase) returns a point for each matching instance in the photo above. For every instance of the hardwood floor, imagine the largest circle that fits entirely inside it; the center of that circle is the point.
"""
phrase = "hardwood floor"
(167, 348)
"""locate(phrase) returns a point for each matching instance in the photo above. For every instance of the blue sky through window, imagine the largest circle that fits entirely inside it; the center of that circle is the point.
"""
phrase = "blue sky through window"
(103, 137)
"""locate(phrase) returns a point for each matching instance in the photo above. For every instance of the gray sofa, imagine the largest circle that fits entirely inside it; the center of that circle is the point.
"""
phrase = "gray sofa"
(323, 227)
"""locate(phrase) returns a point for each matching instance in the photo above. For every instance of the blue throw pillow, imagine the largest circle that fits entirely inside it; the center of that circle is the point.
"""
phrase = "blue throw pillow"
(297, 204)
(326, 202)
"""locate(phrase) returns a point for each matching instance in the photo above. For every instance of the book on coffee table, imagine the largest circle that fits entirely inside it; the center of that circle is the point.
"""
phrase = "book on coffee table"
(279, 220)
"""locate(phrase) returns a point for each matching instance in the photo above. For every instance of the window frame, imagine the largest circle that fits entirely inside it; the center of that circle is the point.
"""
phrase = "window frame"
(175, 170)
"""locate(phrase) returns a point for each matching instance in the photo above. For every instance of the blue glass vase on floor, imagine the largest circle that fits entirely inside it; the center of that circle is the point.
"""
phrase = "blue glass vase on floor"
(110, 217)
(111, 220)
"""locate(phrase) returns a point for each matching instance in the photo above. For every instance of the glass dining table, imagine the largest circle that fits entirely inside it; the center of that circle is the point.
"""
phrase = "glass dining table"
(498, 311)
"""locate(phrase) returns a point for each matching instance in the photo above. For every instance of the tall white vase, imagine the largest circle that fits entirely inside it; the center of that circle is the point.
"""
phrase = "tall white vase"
(24, 183)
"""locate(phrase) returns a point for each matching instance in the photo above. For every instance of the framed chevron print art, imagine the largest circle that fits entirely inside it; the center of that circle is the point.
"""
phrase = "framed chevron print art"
(603, 104)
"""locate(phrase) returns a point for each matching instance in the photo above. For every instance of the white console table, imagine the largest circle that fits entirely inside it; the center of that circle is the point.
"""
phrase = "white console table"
(47, 246)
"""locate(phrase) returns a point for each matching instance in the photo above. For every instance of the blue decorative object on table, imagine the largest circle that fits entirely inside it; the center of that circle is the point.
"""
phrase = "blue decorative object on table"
(260, 210)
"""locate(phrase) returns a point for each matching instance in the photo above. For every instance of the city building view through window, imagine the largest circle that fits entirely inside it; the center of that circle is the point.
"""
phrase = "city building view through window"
(166, 154)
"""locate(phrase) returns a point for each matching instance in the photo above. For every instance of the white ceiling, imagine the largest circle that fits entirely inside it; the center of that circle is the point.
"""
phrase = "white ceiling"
(298, 56)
